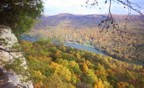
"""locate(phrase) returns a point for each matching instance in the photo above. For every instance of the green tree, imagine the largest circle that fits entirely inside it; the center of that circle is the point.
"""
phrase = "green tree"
(20, 14)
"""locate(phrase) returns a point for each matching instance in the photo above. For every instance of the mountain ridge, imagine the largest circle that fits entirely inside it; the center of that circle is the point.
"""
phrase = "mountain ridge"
(78, 21)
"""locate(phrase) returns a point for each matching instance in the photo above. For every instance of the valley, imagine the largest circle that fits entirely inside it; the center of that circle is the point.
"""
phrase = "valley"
(125, 43)
(71, 44)
(61, 54)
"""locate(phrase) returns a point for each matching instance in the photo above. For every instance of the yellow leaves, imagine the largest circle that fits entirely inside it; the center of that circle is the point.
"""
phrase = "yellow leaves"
(72, 63)
(99, 84)
(55, 81)
(37, 75)
(101, 70)
(85, 67)
(91, 77)
(58, 54)
(62, 62)
(54, 65)
(62, 71)
(78, 56)
(89, 63)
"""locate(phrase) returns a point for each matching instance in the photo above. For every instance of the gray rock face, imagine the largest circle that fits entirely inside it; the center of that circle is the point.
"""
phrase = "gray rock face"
(8, 54)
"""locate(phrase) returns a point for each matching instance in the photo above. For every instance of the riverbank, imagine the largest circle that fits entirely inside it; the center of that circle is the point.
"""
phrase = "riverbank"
(98, 51)
(86, 47)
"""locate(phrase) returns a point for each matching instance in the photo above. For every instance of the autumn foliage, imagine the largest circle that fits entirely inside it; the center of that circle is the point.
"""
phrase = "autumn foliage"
(57, 66)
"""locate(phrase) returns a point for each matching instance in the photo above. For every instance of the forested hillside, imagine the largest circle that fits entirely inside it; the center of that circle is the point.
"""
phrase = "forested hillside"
(57, 66)
(124, 43)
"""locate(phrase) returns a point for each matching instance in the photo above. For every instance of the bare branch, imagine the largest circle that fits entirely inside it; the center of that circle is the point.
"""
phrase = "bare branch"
(2, 49)
(10, 51)
(110, 20)
(129, 4)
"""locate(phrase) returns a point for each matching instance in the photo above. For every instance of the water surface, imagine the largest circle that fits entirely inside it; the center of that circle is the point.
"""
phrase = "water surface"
(69, 44)
(83, 47)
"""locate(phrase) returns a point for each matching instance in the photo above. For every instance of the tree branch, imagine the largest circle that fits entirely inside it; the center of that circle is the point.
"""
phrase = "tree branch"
(9, 51)
(110, 21)
(128, 4)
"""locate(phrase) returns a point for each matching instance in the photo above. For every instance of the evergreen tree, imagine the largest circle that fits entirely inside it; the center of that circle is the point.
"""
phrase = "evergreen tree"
(19, 14)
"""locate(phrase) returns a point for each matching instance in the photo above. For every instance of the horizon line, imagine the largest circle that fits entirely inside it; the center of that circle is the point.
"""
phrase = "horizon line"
(88, 14)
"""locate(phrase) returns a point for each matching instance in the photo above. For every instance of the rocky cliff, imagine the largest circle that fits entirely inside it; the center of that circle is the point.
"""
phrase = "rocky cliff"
(13, 66)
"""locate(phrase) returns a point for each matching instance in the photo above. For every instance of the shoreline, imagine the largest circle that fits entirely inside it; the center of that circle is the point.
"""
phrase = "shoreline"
(33, 39)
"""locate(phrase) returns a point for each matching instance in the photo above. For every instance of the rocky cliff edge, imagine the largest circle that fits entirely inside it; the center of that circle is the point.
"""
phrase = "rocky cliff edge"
(12, 75)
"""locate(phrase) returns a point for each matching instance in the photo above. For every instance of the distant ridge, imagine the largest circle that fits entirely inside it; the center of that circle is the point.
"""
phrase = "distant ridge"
(77, 21)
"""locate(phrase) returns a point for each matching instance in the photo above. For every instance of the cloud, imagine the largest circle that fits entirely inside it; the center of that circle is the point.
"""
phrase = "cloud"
(53, 7)
(62, 3)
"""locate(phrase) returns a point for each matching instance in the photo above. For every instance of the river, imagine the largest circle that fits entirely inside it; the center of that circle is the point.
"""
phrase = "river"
(83, 47)
(69, 44)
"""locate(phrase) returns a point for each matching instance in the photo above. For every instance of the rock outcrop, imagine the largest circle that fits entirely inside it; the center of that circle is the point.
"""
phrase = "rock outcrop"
(9, 53)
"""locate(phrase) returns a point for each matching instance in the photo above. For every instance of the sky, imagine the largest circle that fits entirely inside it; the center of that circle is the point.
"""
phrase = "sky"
(54, 7)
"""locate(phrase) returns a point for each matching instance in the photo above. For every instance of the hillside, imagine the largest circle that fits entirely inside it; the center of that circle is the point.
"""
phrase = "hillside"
(125, 43)
(75, 21)
(57, 66)
(78, 21)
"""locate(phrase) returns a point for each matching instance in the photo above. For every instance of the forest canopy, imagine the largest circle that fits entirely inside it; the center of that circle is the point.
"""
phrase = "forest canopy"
(20, 14)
